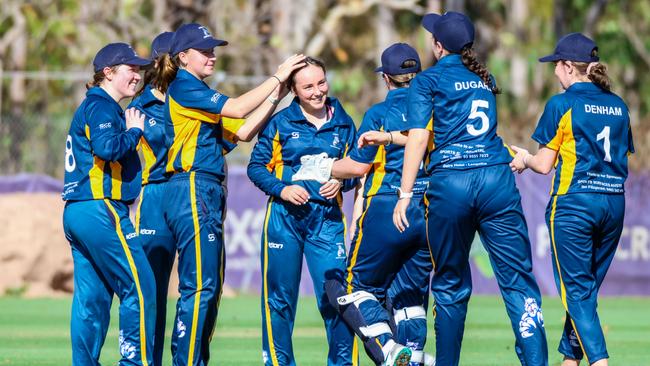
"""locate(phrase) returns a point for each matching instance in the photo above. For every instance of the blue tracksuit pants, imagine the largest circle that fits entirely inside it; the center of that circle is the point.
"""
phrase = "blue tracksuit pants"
(460, 203)
(585, 229)
(316, 231)
(193, 207)
(393, 266)
(160, 248)
(108, 259)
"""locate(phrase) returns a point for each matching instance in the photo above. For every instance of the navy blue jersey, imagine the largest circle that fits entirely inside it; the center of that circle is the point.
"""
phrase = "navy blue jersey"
(152, 143)
(386, 171)
(590, 129)
(195, 133)
(101, 160)
(461, 111)
(287, 137)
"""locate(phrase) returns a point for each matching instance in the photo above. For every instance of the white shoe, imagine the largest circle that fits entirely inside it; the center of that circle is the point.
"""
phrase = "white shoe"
(429, 360)
(420, 358)
(398, 356)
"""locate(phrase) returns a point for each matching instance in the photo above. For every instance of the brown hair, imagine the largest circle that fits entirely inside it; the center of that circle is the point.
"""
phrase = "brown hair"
(471, 62)
(597, 74)
(403, 80)
(308, 61)
(160, 75)
(99, 77)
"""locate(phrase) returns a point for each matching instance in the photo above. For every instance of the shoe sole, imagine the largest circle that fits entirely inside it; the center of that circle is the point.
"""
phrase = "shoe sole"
(403, 357)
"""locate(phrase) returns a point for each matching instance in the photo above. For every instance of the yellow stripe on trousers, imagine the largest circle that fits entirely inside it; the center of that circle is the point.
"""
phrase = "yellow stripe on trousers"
(134, 272)
(559, 273)
(137, 211)
(267, 310)
(433, 262)
(357, 244)
(199, 275)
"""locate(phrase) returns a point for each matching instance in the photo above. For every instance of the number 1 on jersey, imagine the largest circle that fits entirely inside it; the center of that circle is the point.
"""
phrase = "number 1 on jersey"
(475, 113)
(604, 135)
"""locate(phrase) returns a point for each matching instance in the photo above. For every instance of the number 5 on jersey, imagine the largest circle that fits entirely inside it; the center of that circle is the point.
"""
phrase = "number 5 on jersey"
(476, 113)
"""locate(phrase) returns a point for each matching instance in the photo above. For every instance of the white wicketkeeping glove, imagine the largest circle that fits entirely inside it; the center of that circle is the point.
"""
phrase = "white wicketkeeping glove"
(314, 167)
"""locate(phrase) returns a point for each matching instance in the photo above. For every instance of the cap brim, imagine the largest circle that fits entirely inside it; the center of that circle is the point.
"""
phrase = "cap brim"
(209, 43)
(429, 20)
(138, 61)
(379, 69)
(550, 58)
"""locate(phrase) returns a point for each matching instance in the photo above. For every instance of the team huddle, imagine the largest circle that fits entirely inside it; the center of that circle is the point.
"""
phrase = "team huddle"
(427, 162)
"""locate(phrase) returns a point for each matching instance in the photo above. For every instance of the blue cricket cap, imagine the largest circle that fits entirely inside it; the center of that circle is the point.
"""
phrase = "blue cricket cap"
(117, 54)
(574, 47)
(393, 58)
(454, 30)
(161, 44)
(195, 36)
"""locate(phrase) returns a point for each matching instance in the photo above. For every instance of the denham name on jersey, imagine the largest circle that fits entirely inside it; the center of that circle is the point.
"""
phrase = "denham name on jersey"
(604, 109)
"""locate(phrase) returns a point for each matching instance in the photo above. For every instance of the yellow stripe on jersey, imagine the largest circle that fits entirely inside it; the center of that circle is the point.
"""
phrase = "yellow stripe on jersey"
(181, 113)
(96, 175)
(431, 145)
(567, 152)
(378, 170)
(116, 180)
(199, 274)
(186, 133)
(87, 128)
(149, 160)
(559, 272)
(265, 289)
(276, 163)
(136, 279)
(230, 128)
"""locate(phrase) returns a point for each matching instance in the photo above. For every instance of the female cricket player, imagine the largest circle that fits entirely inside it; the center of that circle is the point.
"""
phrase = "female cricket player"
(303, 217)
(586, 132)
(156, 238)
(452, 111)
(194, 199)
(381, 257)
(102, 177)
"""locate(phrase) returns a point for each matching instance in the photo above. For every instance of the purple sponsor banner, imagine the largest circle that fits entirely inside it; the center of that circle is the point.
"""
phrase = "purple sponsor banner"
(29, 183)
(628, 275)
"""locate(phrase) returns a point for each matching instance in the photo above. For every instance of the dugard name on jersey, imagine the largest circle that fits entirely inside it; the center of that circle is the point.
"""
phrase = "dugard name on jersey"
(466, 85)
(603, 109)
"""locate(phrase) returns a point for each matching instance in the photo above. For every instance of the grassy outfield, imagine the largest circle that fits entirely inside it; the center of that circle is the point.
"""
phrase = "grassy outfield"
(36, 332)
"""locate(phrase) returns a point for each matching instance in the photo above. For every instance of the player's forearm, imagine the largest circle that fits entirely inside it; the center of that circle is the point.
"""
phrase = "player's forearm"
(542, 162)
(399, 138)
(413, 154)
(348, 168)
(244, 104)
(256, 120)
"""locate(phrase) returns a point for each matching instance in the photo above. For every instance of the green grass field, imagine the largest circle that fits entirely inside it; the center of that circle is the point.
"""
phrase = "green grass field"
(36, 332)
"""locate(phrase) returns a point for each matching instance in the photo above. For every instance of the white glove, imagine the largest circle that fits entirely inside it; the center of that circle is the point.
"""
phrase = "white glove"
(314, 167)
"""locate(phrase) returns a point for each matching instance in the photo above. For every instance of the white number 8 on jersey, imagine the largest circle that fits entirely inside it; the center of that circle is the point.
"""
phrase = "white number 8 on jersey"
(70, 163)
(475, 113)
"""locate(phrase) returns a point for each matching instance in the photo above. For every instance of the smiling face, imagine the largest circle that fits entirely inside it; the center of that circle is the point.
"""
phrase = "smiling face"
(310, 86)
(122, 80)
(199, 63)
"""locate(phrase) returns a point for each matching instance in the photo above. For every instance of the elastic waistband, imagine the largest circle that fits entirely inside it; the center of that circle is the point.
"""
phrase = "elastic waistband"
(197, 175)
